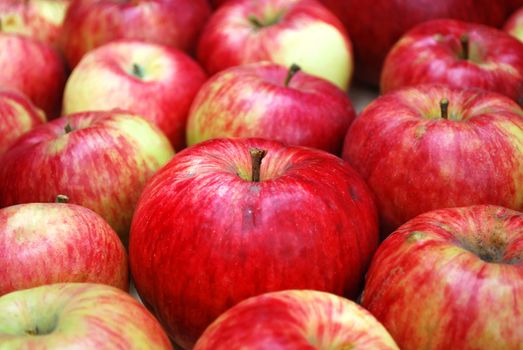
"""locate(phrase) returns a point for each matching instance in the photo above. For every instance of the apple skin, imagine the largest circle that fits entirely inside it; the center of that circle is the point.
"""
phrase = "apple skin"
(375, 28)
(451, 279)
(77, 316)
(44, 243)
(227, 238)
(18, 115)
(162, 93)
(92, 23)
(416, 161)
(102, 164)
(40, 19)
(514, 24)
(33, 68)
(306, 34)
(432, 53)
(296, 319)
(253, 101)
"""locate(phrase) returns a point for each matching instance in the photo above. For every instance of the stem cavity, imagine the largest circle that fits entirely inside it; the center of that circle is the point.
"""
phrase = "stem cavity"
(61, 198)
(68, 128)
(256, 156)
(255, 21)
(444, 107)
(293, 69)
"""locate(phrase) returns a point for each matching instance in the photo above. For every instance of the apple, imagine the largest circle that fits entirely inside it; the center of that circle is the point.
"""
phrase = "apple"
(270, 101)
(434, 146)
(40, 19)
(451, 278)
(279, 31)
(18, 115)
(296, 319)
(514, 25)
(77, 316)
(92, 23)
(458, 54)
(154, 81)
(374, 27)
(217, 225)
(44, 243)
(100, 160)
(33, 68)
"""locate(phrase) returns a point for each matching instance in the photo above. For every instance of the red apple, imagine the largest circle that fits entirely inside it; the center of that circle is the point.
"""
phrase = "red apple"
(92, 23)
(33, 68)
(216, 229)
(270, 101)
(451, 279)
(40, 19)
(82, 316)
(418, 153)
(458, 54)
(156, 82)
(100, 160)
(280, 31)
(374, 26)
(18, 115)
(514, 25)
(44, 243)
(296, 319)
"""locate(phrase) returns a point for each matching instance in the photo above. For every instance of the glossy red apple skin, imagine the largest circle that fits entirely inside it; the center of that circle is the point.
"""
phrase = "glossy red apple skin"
(102, 164)
(451, 279)
(415, 161)
(39, 19)
(514, 24)
(33, 68)
(253, 101)
(375, 28)
(45, 243)
(92, 23)
(309, 224)
(304, 32)
(18, 115)
(432, 53)
(163, 95)
(296, 319)
(81, 316)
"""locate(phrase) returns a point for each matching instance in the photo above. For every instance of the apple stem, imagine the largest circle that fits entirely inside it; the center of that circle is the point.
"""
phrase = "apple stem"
(293, 69)
(61, 198)
(444, 106)
(138, 71)
(68, 128)
(35, 331)
(464, 40)
(255, 21)
(256, 156)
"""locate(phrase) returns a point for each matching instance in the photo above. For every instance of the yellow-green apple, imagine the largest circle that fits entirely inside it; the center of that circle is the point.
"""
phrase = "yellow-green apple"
(271, 101)
(280, 31)
(296, 319)
(92, 23)
(40, 19)
(82, 316)
(375, 26)
(157, 82)
(44, 243)
(33, 68)
(100, 160)
(218, 225)
(458, 54)
(451, 278)
(433, 146)
(18, 115)
(514, 24)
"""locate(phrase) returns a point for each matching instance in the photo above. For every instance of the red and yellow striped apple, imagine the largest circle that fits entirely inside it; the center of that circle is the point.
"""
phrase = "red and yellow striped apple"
(280, 31)
(296, 319)
(451, 279)
(100, 160)
(270, 101)
(45, 243)
(82, 316)
(216, 227)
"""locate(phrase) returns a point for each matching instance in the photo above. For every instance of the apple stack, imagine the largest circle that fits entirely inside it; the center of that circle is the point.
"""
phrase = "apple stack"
(285, 220)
